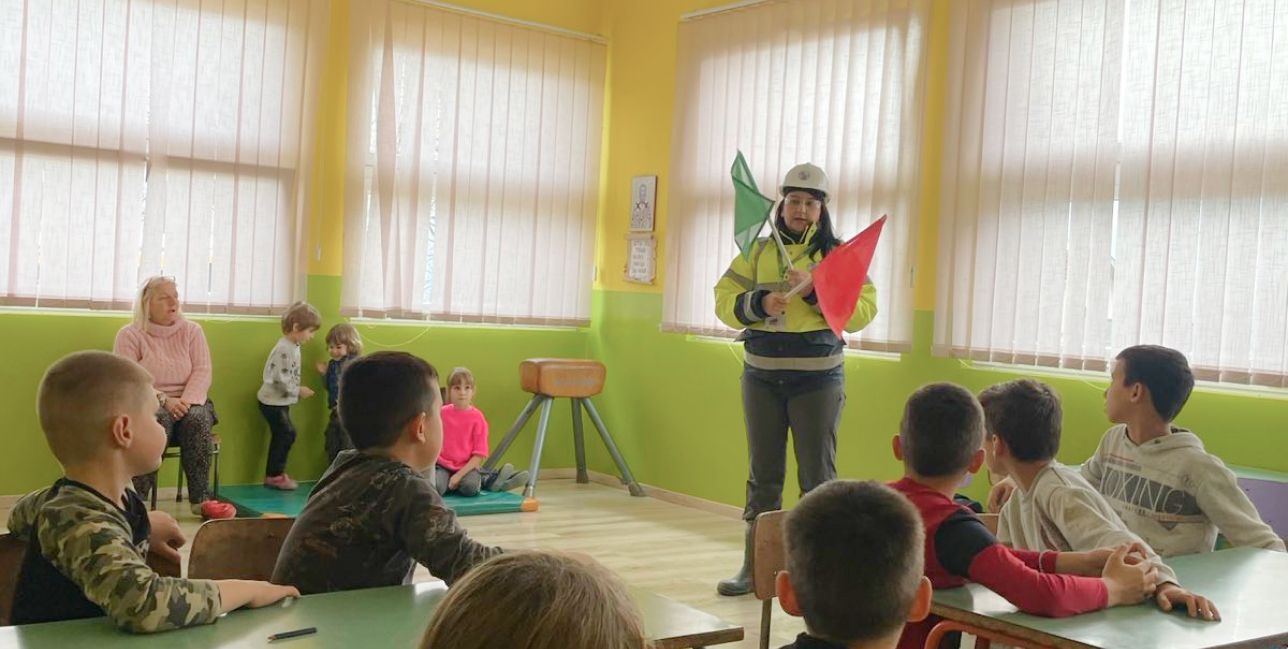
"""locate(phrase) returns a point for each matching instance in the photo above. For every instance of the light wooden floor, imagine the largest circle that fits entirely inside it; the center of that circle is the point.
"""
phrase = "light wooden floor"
(675, 551)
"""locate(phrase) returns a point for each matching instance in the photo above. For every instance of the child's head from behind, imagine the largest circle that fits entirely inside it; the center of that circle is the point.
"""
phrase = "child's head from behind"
(1148, 378)
(1021, 423)
(855, 559)
(536, 600)
(300, 321)
(343, 340)
(942, 432)
(94, 405)
(460, 387)
(389, 399)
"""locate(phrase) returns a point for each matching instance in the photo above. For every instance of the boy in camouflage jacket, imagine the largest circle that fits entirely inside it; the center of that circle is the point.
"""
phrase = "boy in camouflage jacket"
(88, 534)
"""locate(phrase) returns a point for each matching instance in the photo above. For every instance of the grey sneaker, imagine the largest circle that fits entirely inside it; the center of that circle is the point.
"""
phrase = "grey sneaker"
(498, 476)
(514, 481)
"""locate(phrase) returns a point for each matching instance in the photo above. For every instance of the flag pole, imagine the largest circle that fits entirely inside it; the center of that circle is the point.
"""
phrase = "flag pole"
(799, 288)
(778, 238)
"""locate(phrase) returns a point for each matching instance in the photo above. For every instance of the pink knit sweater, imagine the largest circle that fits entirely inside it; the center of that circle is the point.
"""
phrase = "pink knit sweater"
(177, 356)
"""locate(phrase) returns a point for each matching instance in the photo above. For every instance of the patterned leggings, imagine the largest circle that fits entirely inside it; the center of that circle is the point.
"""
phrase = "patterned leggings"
(192, 434)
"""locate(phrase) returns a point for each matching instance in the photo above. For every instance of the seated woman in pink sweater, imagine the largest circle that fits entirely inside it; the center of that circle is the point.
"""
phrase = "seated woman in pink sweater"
(174, 350)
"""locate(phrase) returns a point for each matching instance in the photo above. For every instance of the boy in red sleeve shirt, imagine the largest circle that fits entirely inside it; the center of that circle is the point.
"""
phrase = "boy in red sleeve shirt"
(940, 441)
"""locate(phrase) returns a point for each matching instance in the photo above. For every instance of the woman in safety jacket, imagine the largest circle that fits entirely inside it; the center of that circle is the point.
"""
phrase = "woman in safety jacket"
(793, 365)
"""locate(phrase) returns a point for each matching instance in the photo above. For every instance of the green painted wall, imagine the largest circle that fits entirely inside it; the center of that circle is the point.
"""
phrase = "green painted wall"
(673, 401)
(238, 347)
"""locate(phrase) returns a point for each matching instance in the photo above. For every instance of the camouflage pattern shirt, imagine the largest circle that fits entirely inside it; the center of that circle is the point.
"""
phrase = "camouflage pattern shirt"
(369, 520)
(86, 557)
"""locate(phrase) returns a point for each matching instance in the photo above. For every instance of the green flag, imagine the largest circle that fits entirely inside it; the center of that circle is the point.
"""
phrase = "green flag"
(750, 207)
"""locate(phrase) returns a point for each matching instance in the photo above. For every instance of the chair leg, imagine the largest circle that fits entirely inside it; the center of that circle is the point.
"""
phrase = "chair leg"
(535, 464)
(154, 492)
(214, 459)
(631, 484)
(178, 492)
(495, 457)
(579, 442)
(766, 615)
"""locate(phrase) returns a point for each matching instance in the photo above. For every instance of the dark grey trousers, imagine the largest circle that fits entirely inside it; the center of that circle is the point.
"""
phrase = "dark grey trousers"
(470, 485)
(810, 404)
(336, 437)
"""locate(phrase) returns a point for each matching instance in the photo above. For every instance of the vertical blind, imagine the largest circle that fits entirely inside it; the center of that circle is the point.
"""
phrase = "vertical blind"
(473, 167)
(149, 137)
(839, 83)
(1115, 173)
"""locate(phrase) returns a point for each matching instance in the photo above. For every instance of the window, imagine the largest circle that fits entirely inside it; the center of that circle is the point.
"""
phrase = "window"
(1117, 173)
(835, 82)
(155, 137)
(473, 168)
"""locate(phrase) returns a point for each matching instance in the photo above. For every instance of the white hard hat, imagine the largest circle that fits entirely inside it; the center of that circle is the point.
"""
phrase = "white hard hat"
(805, 176)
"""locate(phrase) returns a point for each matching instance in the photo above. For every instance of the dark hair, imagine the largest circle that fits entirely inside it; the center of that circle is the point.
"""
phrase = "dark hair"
(855, 555)
(942, 428)
(824, 239)
(1164, 371)
(1025, 413)
(381, 392)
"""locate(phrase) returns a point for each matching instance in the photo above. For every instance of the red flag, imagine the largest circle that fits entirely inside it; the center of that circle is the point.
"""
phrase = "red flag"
(838, 279)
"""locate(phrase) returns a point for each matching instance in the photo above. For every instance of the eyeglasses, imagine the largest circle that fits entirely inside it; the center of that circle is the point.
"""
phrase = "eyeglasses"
(807, 203)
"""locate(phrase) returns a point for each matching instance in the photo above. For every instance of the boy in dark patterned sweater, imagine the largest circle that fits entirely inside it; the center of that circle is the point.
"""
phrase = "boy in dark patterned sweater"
(374, 515)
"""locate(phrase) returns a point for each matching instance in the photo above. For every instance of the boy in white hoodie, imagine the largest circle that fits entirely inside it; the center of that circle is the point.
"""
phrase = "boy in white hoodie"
(1157, 477)
(1055, 508)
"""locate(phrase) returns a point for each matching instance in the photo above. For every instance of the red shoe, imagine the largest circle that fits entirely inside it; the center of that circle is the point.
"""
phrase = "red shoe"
(214, 510)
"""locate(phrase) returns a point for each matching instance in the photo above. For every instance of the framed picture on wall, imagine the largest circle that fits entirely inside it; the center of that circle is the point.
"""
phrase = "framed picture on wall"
(643, 200)
(641, 258)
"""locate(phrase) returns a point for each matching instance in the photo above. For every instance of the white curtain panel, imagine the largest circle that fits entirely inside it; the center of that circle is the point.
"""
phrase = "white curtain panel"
(473, 167)
(149, 137)
(839, 83)
(1115, 173)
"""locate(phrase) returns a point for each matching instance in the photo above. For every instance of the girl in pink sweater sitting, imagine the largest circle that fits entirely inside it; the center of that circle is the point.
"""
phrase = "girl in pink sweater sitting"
(459, 467)
(174, 350)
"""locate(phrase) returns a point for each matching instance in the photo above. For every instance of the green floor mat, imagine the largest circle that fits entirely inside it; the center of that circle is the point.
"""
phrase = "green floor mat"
(254, 500)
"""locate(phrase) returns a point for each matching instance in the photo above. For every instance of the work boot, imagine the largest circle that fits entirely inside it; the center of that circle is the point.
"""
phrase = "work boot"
(740, 584)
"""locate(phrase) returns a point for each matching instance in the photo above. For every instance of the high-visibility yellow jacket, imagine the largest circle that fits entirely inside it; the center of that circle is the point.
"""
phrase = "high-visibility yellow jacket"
(800, 341)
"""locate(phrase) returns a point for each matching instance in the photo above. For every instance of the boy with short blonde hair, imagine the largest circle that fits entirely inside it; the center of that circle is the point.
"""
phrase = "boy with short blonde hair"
(88, 535)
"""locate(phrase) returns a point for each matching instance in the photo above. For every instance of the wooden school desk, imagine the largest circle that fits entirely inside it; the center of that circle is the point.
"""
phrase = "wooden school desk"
(1249, 587)
(378, 617)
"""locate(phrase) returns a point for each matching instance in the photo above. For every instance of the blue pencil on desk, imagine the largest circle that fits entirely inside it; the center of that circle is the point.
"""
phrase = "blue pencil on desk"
(292, 634)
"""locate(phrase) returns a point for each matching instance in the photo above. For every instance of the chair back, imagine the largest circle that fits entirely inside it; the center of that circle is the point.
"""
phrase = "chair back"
(237, 548)
(12, 552)
(768, 558)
